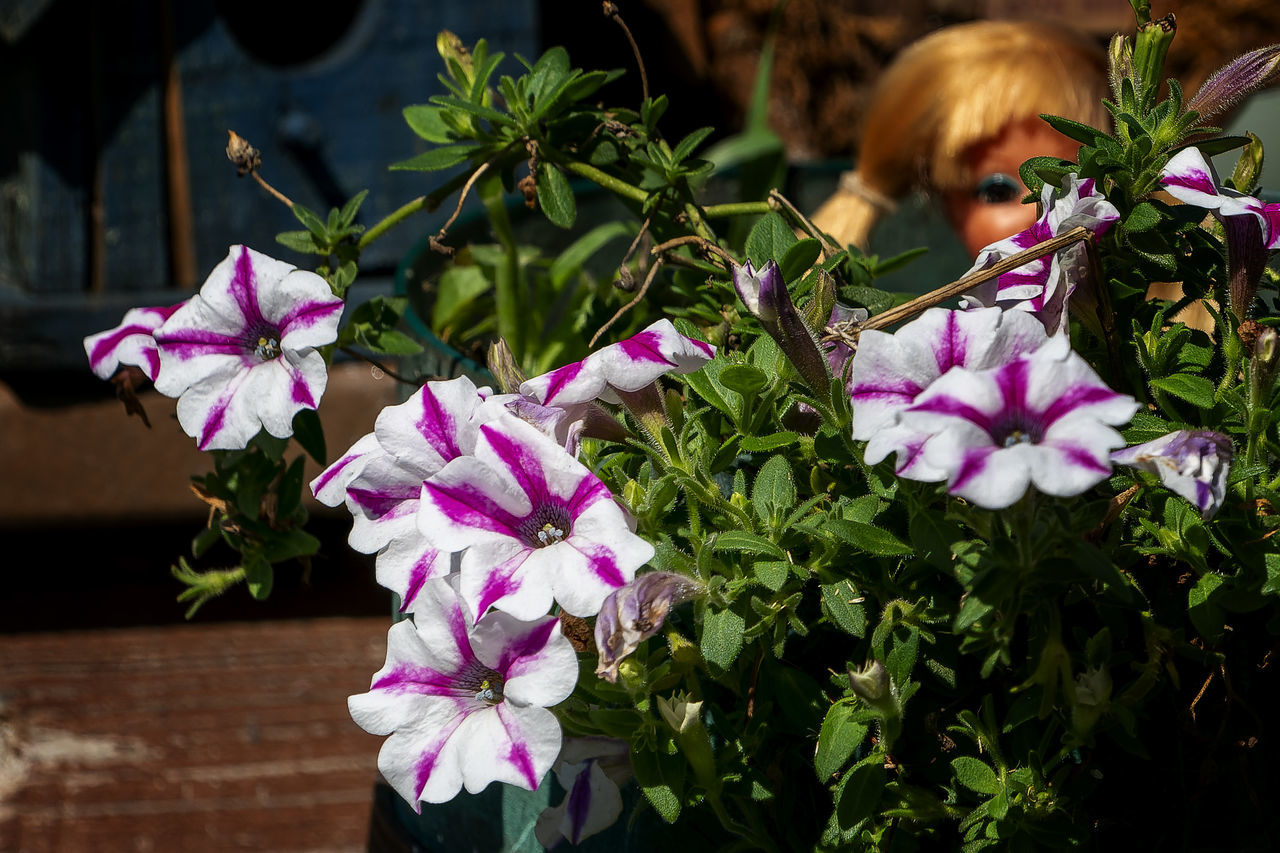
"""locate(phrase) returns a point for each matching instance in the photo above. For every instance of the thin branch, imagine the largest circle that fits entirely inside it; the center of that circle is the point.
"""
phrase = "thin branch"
(644, 288)
(828, 248)
(707, 247)
(611, 11)
(848, 332)
(436, 244)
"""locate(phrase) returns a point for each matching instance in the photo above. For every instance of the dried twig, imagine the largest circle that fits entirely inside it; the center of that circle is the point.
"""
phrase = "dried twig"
(644, 288)
(777, 199)
(611, 11)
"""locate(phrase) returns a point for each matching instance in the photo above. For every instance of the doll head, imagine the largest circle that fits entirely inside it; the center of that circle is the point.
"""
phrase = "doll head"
(956, 113)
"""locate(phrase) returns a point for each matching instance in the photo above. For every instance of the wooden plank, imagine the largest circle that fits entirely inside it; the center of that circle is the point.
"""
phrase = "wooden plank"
(188, 737)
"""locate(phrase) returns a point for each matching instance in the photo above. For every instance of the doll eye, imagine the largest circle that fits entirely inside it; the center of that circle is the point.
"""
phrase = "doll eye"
(997, 188)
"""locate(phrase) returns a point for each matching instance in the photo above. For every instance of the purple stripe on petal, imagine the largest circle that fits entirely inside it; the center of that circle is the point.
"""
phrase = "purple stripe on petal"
(419, 574)
(944, 405)
(385, 503)
(519, 758)
(644, 348)
(1192, 179)
(602, 563)
(328, 474)
(1081, 395)
(190, 343)
(466, 506)
(521, 461)
(908, 454)
(153, 363)
(427, 762)
(300, 391)
(438, 426)
(307, 314)
(525, 645)
(973, 464)
(557, 380)
(244, 289)
(578, 803)
(1082, 458)
(105, 347)
(215, 420)
(500, 583)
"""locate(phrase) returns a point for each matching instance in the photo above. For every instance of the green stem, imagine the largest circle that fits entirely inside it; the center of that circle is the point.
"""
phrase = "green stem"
(506, 282)
(609, 182)
(393, 219)
(742, 208)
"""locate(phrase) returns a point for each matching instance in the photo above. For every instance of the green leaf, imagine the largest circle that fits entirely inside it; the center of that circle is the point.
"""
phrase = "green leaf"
(1143, 217)
(1081, 133)
(436, 159)
(866, 537)
(902, 659)
(976, 775)
(689, 144)
(765, 443)
(744, 379)
(300, 241)
(799, 258)
(721, 638)
(425, 121)
(1214, 147)
(1272, 584)
(751, 543)
(290, 491)
(290, 545)
(932, 536)
(1196, 390)
(772, 573)
(769, 239)
(661, 778)
(774, 491)
(1205, 615)
(309, 434)
(839, 737)
(843, 605)
(258, 574)
(555, 196)
(309, 220)
(860, 791)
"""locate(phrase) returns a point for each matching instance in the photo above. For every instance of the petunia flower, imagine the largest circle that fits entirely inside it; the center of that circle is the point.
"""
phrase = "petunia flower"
(1252, 228)
(1044, 286)
(241, 354)
(625, 366)
(891, 370)
(837, 352)
(380, 479)
(1044, 419)
(466, 704)
(533, 523)
(130, 343)
(1236, 80)
(591, 770)
(1191, 463)
(637, 611)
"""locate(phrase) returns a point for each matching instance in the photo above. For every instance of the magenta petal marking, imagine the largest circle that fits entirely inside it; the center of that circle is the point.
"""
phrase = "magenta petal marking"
(427, 763)
(1082, 458)
(500, 583)
(943, 405)
(644, 348)
(603, 563)
(190, 343)
(558, 379)
(244, 289)
(1193, 178)
(438, 427)
(578, 803)
(518, 756)
(1074, 399)
(300, 391)
(525, 646)
(466, 506)
(973, 464)
(385, 504)
(521, 461)
(307, 314)
(418, 575)
(214, 421)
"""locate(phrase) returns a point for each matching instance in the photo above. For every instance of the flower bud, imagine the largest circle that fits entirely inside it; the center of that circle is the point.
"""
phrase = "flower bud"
(1119, 63)
(765, 295)
(1190, 463)
(1248, 169)
(502, 364)
(870, 684)
(1235, 81)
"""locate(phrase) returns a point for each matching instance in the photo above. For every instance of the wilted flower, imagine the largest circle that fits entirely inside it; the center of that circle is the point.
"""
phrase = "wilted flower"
(241, 354)
(534, 522)
(1252, 228)
(636, 612)
(625, 366)
(838, 352)
(1043, 419)
(890, 371)
(591, 770)
(1191, 463)
(129, 343)
(1043, 286)
(466, 704)
(380, 479)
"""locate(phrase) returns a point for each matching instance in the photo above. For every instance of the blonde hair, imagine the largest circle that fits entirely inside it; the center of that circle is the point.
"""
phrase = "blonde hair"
(954, 88)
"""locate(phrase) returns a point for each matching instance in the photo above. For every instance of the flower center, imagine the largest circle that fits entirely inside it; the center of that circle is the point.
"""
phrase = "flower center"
(266, 342)
(1017, 428)
(481, 682)
(546, 526)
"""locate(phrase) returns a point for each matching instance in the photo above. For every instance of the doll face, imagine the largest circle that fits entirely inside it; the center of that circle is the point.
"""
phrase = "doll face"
(990, 209)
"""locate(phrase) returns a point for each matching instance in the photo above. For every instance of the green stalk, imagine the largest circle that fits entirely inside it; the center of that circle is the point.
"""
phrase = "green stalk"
(741, 208)
(607, 181)
(506, 283)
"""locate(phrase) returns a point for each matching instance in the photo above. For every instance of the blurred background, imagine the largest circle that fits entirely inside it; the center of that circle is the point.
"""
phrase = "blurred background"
(121, 726)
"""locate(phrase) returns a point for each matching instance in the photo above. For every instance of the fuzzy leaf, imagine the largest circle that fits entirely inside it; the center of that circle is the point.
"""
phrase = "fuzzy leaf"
(555, 197)
(976, 775)
(722, 637)
(839, 737)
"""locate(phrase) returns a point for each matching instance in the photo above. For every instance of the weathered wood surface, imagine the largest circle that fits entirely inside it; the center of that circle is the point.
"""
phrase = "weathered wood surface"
(188, 737)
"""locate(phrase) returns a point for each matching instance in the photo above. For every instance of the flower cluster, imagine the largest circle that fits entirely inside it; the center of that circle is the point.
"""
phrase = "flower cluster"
(483, 519)
(240, 356)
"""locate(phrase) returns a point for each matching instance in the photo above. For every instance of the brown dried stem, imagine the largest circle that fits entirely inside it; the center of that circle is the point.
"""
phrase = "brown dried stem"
(611, 11)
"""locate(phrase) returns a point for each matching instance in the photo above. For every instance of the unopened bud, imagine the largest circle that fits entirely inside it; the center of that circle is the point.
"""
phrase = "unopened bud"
(245, 157)
(634, 612)
(1119, 63)
(1244, 177)
(503, 366)
(1235, 81)
(871, 683)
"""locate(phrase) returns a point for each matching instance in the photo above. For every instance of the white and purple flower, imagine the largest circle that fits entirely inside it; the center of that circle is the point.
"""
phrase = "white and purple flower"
(591, 770)
(1252, 228)
(1043, 419)
(380, 478)
(1043, 286)
(626, 366)
(130, 343)
(241, 354)
(637, 611)
(1191, 463)
(890, 371)
(534, 524)
(466, 704)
